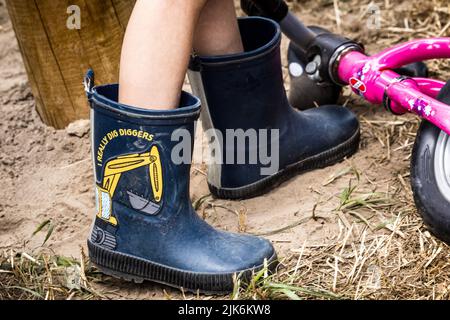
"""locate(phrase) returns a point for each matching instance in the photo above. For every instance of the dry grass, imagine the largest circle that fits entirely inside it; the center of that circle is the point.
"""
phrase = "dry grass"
(382, 250)
(46, 276)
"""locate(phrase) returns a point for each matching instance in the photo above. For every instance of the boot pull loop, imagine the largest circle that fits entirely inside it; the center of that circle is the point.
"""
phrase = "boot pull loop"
(89, 82)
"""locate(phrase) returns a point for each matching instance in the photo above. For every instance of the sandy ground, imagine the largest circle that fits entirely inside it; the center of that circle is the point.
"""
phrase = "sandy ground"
(46, 174)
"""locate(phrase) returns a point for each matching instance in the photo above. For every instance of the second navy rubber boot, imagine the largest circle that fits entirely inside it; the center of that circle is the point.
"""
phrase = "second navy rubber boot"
(145, 226)
(257, 139)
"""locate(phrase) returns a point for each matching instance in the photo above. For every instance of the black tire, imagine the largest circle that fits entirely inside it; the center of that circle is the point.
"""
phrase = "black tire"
(432, 204)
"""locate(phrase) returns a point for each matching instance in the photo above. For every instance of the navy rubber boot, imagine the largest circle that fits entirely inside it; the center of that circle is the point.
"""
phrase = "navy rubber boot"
(145, 227)
(244, 93)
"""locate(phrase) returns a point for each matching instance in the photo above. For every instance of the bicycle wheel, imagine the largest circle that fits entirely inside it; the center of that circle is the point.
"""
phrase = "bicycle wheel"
(430, 175)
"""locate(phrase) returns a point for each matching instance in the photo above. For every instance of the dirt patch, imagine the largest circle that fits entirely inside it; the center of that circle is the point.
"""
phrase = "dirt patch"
(324, 224)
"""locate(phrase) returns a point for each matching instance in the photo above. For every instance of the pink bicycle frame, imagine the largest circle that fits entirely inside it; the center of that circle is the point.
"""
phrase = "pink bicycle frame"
(372, 78)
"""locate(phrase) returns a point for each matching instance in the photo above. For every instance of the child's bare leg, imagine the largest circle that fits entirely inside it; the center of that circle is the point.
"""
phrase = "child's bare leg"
(217, 31)
(156, 50)
(159, 41)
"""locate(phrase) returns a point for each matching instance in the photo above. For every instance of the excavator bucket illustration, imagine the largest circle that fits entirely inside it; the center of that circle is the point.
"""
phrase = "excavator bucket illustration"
(113, 172)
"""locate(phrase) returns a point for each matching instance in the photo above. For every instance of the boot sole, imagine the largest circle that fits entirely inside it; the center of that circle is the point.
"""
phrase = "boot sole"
(138, 270)
(321, 160)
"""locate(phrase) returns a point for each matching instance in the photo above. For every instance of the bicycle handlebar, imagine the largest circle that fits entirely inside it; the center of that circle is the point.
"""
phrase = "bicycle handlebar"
(274, 9)
(373, 79)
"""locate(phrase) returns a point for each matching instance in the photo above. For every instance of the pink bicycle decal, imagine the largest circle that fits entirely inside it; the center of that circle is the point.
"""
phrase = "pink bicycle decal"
(400, 94)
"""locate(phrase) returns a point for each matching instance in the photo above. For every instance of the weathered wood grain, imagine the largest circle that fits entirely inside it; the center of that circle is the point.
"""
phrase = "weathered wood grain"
(56, 57)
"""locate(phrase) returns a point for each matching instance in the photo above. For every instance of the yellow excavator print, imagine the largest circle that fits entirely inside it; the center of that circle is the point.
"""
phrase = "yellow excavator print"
(113, 172)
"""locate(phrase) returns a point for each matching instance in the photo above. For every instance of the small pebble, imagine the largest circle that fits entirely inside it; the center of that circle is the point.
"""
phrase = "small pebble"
(8, 162)
(78, 128)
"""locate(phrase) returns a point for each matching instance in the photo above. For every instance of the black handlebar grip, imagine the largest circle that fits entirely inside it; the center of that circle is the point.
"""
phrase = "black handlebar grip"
(273, 9)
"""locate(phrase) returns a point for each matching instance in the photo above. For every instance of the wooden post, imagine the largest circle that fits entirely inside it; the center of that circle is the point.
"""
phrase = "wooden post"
(57, 56)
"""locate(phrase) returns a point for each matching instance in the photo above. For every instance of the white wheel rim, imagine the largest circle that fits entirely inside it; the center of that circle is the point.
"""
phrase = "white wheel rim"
(442, 164)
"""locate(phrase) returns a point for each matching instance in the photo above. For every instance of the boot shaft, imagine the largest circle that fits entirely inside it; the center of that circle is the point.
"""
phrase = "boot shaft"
(245, 90)
(133, 154)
